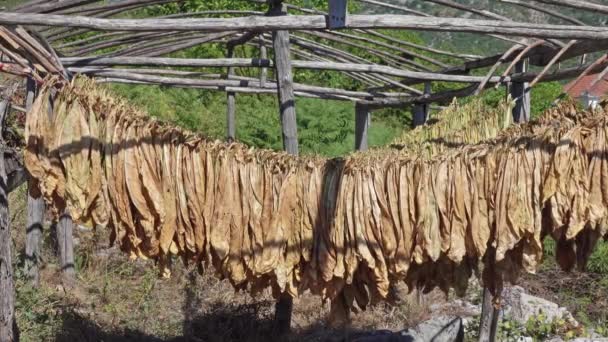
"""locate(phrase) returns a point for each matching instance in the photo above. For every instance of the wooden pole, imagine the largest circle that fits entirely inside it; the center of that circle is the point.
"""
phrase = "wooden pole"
(487, 321)
(8, 328)
(339, 314)
(263, 56)
(287, 109)
(35, 210)
(64, 227)
(312, 22)
(362, 123)
(520, 92)
(230, 104)
(282, 61)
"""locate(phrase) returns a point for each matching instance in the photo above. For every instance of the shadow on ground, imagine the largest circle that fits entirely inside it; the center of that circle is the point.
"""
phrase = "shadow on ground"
(223, 324)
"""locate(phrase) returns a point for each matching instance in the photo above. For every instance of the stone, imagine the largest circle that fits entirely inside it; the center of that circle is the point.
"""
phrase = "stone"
(384, 336)
(520, 307)
(438, 329)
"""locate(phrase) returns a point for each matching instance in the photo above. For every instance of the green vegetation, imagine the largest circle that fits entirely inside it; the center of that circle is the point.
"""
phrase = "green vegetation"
(542, 96)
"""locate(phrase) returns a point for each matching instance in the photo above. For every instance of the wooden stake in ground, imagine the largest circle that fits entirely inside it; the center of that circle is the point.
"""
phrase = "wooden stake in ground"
(35, 210)
(8, 326)
(489, 318)
(420, 111)
(362, 123)
(65, 241)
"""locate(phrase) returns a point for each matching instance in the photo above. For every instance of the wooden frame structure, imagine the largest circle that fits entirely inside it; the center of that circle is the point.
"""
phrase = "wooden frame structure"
(65, 37)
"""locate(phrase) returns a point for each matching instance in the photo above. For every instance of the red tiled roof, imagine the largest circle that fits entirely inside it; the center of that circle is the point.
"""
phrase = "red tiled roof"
(577, 89)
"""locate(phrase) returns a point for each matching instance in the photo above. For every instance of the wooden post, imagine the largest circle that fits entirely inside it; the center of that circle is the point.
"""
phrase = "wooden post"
(65, 241)
(8, 326)
(489, 318)
(35, 210)
(263, 56)
(231, 104)
(287, 110)
(520, 92)
(282, 62)
(362, 123)
(339, 314)
(64, 227)
(420, 111)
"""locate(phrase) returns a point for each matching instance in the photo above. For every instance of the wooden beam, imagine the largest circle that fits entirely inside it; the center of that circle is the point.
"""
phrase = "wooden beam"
(577, 4)
(385, 37)
(419, 47)
(552, 62)
(262, 63)
(470, 9)
(374, 100)
(240, 90)
(394, 7)
(546, 10)
(312, 22)
(490, 73)
(362, 123)
(158, 48)
(53, 6)
(235, 82)
(405, 52)
(125, 4)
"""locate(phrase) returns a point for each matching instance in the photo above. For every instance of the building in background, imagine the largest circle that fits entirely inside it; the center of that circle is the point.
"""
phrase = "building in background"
(588, 90)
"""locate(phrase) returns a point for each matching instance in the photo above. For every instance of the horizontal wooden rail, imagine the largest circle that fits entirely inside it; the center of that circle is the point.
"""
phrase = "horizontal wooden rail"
(311, 22)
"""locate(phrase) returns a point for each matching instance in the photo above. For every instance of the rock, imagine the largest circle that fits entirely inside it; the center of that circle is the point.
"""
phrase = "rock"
(520, 307)
(439, 329)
